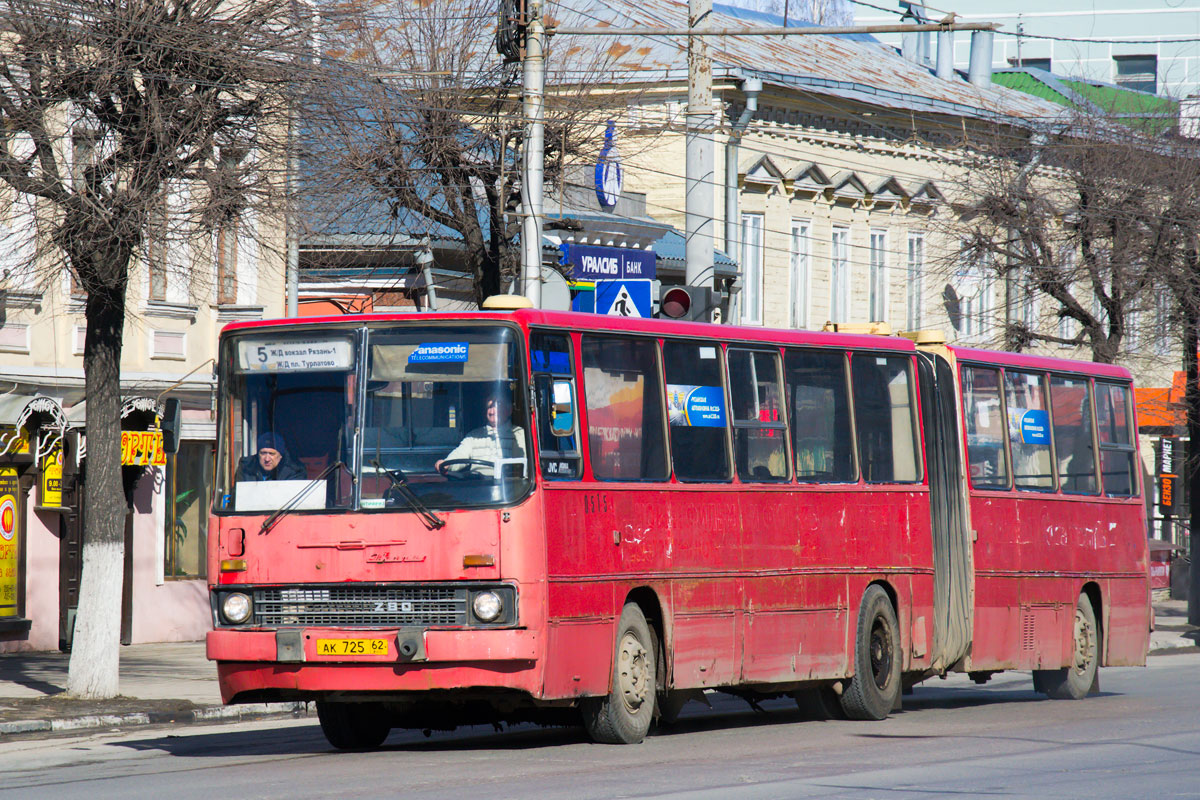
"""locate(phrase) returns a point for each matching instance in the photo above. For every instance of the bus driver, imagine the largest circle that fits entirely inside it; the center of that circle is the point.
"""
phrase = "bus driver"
(488, 444)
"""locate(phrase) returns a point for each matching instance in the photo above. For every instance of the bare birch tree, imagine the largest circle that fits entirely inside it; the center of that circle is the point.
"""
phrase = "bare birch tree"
(103, 105)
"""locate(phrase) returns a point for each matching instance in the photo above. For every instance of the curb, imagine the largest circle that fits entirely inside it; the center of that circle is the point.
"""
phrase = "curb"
(206, 714)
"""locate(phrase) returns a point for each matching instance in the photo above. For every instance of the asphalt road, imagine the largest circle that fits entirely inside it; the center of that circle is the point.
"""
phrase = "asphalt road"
(1139, 739)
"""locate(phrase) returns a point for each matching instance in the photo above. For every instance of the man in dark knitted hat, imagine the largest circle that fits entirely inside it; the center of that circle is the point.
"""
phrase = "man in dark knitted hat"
(271, 463)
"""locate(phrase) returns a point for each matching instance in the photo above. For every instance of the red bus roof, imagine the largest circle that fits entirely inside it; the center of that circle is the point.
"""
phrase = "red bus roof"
(599, 322)
(1025, 361)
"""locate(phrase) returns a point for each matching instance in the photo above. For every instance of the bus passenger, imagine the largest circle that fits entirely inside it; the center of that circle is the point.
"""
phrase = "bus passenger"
(271, 463)
(498, 439)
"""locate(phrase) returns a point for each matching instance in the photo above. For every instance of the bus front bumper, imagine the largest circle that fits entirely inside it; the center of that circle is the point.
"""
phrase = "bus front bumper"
(290, 661)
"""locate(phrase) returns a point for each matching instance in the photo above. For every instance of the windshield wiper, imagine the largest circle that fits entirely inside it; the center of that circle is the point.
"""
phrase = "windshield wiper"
(287, 507)
(400, 484)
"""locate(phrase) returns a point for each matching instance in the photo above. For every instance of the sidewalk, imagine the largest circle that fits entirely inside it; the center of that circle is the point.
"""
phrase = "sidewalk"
(175, 683)
(160, 683)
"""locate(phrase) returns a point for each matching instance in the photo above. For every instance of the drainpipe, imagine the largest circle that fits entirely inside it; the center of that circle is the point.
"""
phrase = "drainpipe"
(750, 88)
(425, 262)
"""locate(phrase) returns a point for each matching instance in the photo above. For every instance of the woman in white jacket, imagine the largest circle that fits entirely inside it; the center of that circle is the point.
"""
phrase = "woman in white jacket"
(496, 442)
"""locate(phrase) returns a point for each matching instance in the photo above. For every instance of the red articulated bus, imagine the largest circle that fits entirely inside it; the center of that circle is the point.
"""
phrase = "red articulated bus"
(441, 519)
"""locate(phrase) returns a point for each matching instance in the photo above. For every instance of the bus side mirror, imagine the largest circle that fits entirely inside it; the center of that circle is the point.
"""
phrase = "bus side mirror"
(562, 409)
(170, 426)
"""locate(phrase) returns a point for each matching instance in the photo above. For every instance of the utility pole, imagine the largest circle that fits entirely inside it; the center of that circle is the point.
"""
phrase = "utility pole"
(533, 154)
(700, 181)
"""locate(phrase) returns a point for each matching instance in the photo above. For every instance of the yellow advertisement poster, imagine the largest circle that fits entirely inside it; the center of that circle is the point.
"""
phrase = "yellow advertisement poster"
(142, 448)
(9, 541)
(52, 470)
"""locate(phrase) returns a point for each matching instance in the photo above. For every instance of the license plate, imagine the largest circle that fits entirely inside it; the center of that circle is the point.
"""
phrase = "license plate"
(352, 647)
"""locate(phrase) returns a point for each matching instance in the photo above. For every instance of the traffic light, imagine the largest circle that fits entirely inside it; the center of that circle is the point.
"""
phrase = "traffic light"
(685, 302)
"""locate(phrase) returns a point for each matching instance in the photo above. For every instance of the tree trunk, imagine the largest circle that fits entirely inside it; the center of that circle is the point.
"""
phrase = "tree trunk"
(1191, 335)
(94, 666)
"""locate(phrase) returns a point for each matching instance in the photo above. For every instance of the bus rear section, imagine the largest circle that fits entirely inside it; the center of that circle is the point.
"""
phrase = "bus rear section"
(375, 545)
(1057, 516)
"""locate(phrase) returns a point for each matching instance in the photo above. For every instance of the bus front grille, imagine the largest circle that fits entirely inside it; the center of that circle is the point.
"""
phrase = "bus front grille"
(361, 605)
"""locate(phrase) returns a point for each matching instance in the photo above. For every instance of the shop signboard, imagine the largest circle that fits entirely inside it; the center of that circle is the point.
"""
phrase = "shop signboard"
(1167, 469)
(142, 449)
(50, 493)
(9, 541)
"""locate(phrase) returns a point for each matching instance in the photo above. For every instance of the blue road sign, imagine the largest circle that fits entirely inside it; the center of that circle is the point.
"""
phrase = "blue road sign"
(629, 298)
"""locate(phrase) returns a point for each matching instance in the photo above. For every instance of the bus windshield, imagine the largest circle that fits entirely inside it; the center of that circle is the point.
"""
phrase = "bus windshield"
(400, 418)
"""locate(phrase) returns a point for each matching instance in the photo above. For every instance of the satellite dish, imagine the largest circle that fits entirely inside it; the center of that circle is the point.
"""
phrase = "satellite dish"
(953, 304)
(556, 295)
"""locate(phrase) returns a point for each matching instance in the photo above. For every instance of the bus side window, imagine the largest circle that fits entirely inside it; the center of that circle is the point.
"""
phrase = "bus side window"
(759, 432)
(623, 393)
(1117, 457)
(818, 399)
(557, 430)
(883, 413)
(984, 417)
(696, 411)
(1029, 430)
(1071, 408)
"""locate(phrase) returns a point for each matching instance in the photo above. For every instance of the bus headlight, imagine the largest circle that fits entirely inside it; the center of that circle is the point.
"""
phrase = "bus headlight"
(236, 607)
(487, 606)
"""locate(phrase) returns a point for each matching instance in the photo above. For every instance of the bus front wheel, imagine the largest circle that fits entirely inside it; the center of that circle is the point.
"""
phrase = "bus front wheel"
(875, 688)
(1073, 682)
(623, 716)
(353, 726)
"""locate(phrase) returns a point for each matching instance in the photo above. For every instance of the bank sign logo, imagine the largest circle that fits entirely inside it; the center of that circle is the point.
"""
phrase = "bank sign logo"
(609, 178)
(595, 263)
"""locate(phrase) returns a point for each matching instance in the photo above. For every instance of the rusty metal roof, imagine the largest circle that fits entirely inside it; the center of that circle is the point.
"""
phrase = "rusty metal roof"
(856, 67)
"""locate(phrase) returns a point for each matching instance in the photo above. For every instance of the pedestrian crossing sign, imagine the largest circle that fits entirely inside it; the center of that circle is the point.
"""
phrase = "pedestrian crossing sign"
(624, 298)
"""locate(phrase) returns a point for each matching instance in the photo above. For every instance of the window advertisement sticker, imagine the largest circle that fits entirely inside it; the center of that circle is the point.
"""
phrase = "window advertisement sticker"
(1035, 427)
(440, 353)
(696, 406)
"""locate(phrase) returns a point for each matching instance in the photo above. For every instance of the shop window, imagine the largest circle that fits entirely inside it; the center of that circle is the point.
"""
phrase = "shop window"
(188, 489)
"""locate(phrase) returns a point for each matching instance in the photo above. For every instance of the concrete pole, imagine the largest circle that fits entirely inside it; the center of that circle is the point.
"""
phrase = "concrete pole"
(700, 170)
(533, 174)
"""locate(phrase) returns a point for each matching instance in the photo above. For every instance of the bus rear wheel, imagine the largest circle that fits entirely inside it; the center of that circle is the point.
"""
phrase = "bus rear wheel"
(1073, 682)
(353, 726)
(875, 688)
(623, 716)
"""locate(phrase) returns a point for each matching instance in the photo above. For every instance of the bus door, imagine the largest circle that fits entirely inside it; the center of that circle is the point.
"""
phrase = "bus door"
(953, 579)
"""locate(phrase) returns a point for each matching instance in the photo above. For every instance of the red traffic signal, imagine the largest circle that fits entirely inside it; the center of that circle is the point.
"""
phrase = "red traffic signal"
(675, 303)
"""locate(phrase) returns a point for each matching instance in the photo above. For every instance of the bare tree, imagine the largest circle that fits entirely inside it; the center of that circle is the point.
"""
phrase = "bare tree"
(1087, 223)
(103, 105)
(1098, 223)
(423, 133)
